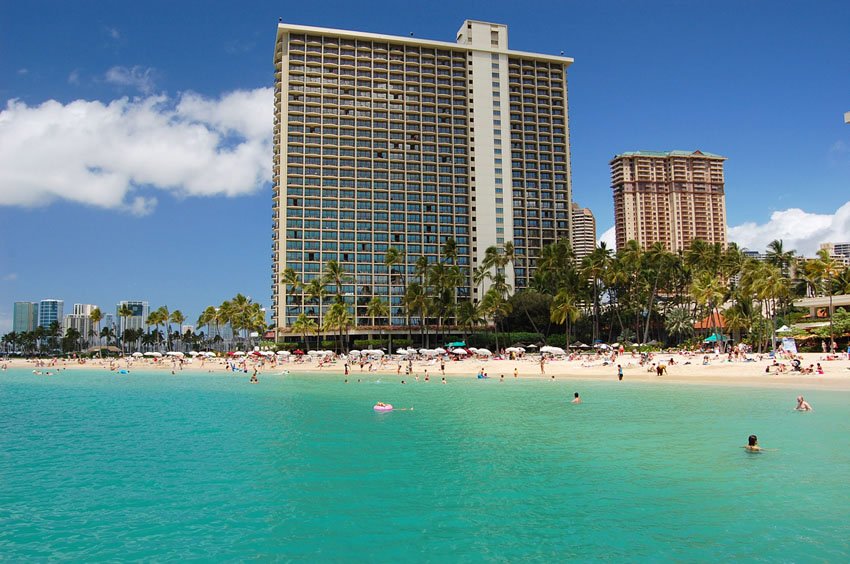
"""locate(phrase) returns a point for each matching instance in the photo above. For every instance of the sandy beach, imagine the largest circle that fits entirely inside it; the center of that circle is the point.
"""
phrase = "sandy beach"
(684, 369)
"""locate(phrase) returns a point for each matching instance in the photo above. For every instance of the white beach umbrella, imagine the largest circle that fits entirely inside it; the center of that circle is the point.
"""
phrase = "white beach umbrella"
(512, 349)
(137, 354)
(283, 353)
(355, 352)
(194, 353)
(156, 354)
(459, 351)
(239, 353)
(473, 350)
(440, 350)
(483, 352)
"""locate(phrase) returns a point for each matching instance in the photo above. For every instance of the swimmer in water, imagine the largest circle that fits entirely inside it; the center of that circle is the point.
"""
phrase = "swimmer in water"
(753, 444)
(576, 398)
(253, 379)
(803, 405)
(444, 380)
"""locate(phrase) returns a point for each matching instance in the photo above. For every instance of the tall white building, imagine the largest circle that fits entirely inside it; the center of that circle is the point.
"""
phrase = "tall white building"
(384, 141)
(80, 320)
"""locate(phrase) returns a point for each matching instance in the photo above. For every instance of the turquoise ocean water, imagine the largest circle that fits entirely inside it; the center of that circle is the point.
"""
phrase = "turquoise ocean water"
(95, 466)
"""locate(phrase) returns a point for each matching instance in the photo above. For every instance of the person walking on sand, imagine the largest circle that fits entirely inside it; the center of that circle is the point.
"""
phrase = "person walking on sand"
(543, 365)
(619, 372)
(516, 372)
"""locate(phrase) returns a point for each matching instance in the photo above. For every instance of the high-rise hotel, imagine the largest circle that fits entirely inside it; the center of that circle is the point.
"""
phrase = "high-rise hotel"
(383, 141)
(672, 197)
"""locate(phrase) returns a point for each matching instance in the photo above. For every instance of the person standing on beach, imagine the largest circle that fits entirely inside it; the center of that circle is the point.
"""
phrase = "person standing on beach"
(516, 372)
(542, 364)
(619, 372)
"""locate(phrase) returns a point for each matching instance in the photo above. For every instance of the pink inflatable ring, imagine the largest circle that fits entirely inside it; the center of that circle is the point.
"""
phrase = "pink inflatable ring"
(383, 407)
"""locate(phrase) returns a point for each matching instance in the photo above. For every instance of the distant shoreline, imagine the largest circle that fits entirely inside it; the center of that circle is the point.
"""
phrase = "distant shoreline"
(718, 372)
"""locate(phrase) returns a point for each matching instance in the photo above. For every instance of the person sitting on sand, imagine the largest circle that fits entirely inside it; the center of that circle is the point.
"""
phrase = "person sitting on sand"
(819, 369)
(753, 444)
(803, 405)
(576, 398)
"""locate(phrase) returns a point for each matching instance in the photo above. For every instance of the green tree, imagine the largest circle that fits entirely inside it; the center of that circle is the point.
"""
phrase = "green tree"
(305, 325)
(564, 310)
(95, 318)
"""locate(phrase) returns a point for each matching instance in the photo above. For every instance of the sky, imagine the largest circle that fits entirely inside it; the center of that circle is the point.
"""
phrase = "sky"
(135, 138)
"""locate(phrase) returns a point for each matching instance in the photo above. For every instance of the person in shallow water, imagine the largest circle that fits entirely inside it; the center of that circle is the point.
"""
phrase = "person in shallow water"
(753, 444)
(576, 399)
(803, 405)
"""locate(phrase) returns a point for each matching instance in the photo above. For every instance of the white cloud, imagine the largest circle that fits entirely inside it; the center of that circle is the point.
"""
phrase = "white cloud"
(74, 77)
(142, 79)
(11, 277)
(102, 154)
(23, 71)
(113, 32)
(798, 229)
(609, 237)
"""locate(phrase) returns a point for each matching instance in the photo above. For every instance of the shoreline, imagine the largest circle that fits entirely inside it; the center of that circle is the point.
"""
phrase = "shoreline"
(719, 371)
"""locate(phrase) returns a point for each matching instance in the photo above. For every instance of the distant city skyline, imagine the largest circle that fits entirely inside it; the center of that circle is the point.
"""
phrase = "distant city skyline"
(175, 206)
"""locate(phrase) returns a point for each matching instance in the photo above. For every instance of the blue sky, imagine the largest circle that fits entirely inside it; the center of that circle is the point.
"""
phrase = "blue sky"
(134, 137)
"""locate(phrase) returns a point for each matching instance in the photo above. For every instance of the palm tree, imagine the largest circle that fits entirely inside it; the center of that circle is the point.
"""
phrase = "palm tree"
(679, 322)
(828, 270)
(335, 274)
(468, 317)
(95, 317)
(305, 325)
(594, 266)
(178, 319)
(393, 257)
(317, 289)
(495, 305)
(416, 302)
(339, 318)
(124, 312)
(564, 310)
(377, 308)
(779, 257)
(292, 283)
(207, 318)
(709, 291)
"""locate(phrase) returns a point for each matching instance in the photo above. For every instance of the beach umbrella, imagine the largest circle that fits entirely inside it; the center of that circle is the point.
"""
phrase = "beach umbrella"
(355, 352)
(174, 353)
(459, 351)
(239, 353)
(473, 350)
(532, 346)
(156, 354)
(483, 352)
(283, 353)
(440, 350)
(377, 352)
(428, 352)
(194, 353)
(136, 354)
(784, 329)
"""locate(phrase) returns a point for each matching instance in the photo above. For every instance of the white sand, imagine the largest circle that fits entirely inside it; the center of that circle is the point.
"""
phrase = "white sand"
(719, 371)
